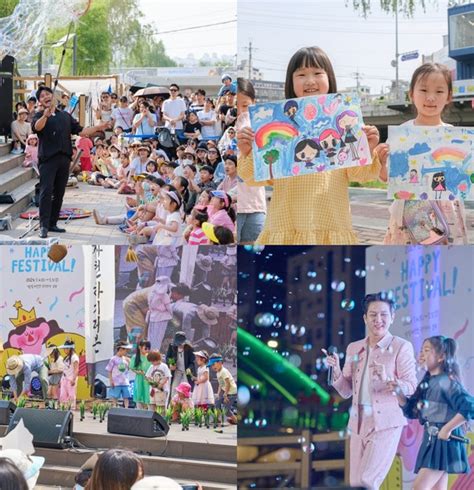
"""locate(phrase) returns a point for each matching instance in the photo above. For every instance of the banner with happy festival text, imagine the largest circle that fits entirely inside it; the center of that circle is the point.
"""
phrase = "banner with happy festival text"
(42, 304)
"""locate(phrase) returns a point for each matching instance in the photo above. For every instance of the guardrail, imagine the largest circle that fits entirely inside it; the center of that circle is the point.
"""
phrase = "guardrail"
(301, 470)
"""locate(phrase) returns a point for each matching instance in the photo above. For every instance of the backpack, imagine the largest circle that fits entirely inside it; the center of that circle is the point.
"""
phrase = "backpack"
(166, 139)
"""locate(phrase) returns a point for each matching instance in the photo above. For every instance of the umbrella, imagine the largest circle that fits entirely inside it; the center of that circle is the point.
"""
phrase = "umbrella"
(152, 91)
(137, 86)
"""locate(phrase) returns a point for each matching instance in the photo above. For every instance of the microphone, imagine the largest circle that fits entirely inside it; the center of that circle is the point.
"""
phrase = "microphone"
(331, 350)
(433, 431)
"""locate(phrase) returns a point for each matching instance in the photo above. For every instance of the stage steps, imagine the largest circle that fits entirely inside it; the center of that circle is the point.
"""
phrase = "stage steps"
(17, 180)
(53, 476)
(177, 468)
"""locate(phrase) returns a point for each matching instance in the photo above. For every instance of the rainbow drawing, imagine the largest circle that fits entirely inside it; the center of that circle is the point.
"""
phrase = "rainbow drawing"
(448, 154)
(273, 131)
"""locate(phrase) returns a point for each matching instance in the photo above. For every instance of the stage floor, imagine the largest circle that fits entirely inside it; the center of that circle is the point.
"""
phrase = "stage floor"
(228, 437)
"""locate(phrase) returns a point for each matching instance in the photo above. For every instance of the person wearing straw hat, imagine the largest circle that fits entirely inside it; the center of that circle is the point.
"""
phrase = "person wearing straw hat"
(20, 370)
(180, 358)
(54, 130)
(159, 313)
(138, 165)
(209, 316)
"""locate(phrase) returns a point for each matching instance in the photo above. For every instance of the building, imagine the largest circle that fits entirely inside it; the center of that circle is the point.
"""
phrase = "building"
(325, 309)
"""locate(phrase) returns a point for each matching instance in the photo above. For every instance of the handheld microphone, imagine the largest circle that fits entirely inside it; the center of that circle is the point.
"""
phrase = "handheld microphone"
(331, 350)
(433, 431)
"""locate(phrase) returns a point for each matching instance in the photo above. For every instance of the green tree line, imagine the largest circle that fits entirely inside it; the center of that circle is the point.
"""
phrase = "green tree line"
(112, 32)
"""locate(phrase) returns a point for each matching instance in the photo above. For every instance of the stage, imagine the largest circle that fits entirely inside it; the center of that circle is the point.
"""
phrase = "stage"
(199, 454)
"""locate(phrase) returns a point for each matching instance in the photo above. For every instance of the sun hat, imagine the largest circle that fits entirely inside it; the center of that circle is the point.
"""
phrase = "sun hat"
(213, 359)
(207, 314)
(156, 483)
(203, 354)
(185, 389)
(29, 465)
(221, 195)
(14, 365)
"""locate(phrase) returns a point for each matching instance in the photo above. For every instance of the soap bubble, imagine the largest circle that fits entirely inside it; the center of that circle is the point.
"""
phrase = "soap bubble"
(308, 448)
(243, 396)
(338, 286)
(347, 304)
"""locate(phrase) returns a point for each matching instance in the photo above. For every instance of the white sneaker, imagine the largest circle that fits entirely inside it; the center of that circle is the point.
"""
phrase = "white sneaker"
(16, 151)
(98, 218)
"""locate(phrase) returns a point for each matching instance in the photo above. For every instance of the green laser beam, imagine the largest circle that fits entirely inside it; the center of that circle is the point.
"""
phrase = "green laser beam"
(290, 379)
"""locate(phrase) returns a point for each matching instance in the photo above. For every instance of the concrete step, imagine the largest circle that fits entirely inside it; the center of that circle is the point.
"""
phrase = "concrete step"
(176, 468)
(62, 478)
(14, 178)
(5, 148)
(172, 448)
(22, 196)
(9, 161)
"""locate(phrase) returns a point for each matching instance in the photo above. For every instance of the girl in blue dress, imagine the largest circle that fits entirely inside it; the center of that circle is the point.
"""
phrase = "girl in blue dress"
(442, 406)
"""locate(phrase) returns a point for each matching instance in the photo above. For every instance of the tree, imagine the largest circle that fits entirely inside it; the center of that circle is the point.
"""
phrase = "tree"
(407, 7)
(94, 47)
(111, 33)
(7, 7)
(270, 158)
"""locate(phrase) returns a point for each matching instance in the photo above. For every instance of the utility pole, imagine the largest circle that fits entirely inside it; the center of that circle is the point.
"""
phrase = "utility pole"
(397, 84)
(250, 60)
(358, 77)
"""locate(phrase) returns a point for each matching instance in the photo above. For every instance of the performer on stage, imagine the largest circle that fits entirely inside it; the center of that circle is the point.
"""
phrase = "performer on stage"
(442, 406)
(371, 365)
(21, 368)
(68, 386)
(54, 129)
(180, 358)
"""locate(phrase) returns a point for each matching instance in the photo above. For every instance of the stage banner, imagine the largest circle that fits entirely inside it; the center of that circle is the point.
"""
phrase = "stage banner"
(433, 289)
(41, 304)
(99, 266)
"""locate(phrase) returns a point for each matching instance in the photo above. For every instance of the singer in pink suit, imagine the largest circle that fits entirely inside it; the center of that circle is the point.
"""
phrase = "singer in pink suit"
(372, 364)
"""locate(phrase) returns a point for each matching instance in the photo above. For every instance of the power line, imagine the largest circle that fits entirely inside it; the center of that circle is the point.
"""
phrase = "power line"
(194, 27)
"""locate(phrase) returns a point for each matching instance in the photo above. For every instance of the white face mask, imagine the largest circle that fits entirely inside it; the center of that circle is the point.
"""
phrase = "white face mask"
(187, 162)
(114, 154)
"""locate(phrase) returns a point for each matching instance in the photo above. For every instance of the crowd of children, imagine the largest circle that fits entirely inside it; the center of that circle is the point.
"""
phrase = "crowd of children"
(161, 382)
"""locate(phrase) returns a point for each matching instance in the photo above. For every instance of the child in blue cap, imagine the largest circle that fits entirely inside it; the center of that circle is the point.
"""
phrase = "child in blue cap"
(226, 398)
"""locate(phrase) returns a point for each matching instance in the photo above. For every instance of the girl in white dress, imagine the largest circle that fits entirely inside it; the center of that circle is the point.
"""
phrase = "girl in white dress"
(203, 394)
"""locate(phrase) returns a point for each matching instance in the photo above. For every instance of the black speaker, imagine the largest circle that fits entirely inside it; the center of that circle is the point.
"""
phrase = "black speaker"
(6, 94)
(143, 423)
(7, 409)
(50, 428)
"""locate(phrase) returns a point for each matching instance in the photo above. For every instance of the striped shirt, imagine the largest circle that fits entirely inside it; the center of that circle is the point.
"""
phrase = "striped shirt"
(197, 237)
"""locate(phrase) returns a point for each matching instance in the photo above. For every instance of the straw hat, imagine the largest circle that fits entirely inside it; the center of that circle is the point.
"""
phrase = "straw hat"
(146, 148)
(207, 314)
(14, 365)
(204, 262)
